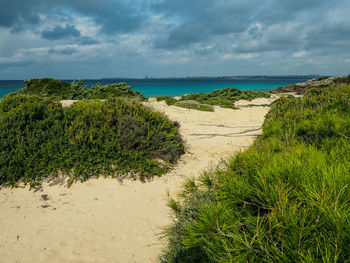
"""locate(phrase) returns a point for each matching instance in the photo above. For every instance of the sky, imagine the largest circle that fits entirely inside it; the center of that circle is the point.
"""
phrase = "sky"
(77, 39)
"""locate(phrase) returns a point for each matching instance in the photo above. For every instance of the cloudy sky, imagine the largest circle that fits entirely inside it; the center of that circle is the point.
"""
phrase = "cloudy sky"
(165, 38)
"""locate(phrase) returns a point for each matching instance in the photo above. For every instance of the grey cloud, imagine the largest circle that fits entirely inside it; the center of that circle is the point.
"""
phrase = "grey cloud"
(16, 64)
(183, 35)
(64, 51)
(85, 41)
(201, 20)
(114, 16)
(297, 5)
(181, 8)
(204, 20)
(19, 14)
(60, 32)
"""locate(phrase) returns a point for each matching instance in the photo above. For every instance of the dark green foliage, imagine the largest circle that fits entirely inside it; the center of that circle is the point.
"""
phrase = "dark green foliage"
(30, 137)
(77, 91)
(194, 198)
(285, 199)
(225, 97)
(343, 80)
(322, 78)
(191, 104)
(169, 100)
(203, 101)
(39, 138)
(114, 90)
(51, 87)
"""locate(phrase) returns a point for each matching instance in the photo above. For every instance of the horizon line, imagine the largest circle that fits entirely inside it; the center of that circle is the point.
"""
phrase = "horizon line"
(185, 77)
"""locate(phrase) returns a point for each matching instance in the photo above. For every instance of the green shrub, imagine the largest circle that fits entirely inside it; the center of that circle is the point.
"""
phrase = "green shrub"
(169, 100)
(76, 90)
(50, 87)
(114, 90)
(322, 78)
(39, 138)
(225, 97)
(285, 199)
(30, 136)
(343, 80)
(191, 104)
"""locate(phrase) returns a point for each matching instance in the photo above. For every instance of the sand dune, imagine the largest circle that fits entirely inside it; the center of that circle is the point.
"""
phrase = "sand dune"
(104, 220)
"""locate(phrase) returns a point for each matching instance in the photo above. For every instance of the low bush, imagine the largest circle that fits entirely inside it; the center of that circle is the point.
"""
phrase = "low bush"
(225, 97)
(39, 138)
(343, 80)
(191, 104)
(114, 90)
(169, 100)
(76, 90)
(50, 87)
(285, 199)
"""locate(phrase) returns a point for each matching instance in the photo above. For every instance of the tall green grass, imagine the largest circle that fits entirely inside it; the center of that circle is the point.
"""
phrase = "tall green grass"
(285, 199)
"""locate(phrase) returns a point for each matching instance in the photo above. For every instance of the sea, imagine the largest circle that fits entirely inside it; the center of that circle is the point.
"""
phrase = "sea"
(180, 86)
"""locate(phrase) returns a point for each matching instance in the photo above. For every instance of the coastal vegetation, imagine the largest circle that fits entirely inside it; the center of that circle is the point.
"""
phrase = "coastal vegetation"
(225, 98)
(169, 100)
(285, 199)
(118, 137)
(342, 80)
(62, 90)
(304, 88)
(192, 104)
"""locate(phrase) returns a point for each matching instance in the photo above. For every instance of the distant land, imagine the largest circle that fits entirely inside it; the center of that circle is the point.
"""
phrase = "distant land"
(244, 77)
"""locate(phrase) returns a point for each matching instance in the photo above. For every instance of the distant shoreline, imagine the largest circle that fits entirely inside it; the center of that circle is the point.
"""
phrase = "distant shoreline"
(180, 86)
(243, 77)
(238, 77)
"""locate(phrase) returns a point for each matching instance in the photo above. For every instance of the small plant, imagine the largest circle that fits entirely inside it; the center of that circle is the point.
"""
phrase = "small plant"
(169, 100)
(194, 105)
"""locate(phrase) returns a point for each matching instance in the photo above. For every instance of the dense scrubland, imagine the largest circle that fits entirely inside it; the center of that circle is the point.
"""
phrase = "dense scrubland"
(117, 136)
(285, 199)
(107, 132)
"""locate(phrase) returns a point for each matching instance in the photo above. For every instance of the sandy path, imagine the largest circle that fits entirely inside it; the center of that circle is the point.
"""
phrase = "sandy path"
(106, 221)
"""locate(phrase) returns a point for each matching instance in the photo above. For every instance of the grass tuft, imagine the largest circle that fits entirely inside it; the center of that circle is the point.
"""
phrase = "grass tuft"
(194, 105)
(169, 100)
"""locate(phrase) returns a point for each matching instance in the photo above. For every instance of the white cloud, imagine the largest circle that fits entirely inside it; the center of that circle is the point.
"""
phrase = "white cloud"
(299, 54)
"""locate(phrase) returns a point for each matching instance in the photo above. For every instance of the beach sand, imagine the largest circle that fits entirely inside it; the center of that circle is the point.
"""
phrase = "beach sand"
(105, 220)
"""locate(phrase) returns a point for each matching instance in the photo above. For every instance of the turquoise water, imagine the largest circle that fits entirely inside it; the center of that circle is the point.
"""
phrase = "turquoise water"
(177, 87)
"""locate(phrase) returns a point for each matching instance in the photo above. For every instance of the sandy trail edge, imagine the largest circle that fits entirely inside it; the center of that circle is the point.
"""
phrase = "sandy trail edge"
(106, 221)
